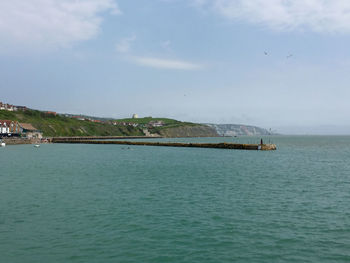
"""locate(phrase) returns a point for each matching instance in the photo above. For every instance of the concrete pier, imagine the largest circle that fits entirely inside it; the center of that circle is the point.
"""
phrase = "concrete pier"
(237, 146)
(79, 138)
(16, 141)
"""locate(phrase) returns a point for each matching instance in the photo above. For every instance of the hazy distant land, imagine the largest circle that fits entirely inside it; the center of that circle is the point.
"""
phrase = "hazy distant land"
(239, 129)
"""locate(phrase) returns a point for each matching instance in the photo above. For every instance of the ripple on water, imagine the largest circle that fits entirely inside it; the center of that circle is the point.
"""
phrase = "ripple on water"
(99, 203)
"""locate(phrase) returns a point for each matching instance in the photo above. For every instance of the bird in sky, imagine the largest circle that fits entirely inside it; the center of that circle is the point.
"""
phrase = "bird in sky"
(289, 56)
(265, 53)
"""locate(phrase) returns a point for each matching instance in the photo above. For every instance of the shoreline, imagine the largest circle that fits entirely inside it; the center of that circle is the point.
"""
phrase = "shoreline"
(19, 140)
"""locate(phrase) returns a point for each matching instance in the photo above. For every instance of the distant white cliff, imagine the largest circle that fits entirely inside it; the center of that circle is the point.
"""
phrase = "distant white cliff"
(238, 129)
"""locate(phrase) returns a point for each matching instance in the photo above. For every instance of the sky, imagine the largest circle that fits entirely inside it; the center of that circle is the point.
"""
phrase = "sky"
(277, 64)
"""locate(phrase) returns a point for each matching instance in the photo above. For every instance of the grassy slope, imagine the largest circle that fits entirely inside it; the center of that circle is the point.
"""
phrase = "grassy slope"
(174, 128)
(148, 119)
(52, 125)
(169, 123)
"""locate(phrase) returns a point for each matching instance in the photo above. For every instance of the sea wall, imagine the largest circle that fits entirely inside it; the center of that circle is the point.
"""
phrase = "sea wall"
(100, 137)
(263, 147)
(15, 141)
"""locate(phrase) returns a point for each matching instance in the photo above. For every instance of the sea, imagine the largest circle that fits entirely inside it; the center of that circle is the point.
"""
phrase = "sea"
(117, 203)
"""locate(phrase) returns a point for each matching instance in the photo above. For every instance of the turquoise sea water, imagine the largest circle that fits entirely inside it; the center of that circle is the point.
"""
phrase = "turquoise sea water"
(108, 203)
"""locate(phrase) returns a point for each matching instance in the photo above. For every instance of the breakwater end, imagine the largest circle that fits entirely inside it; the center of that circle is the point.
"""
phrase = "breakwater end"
(237, 146)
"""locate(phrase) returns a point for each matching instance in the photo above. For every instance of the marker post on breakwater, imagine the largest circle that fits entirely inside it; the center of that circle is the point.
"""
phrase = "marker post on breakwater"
(236, 146)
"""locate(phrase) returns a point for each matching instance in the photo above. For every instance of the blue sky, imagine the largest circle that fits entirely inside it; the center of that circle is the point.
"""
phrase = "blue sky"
(194, 60)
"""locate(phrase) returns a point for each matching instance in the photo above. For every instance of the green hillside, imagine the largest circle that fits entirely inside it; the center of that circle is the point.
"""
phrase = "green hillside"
(173, 128)
(168, 123)
(52, 125)
(58, 125)
(146, 120)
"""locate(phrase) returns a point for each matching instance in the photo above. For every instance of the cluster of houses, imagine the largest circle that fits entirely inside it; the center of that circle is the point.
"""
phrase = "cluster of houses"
(15, 129)
(123, 123)
(151, 124)
(81, 118)
(156, 123)
(87, 119)
(9, 107)
(10, 128)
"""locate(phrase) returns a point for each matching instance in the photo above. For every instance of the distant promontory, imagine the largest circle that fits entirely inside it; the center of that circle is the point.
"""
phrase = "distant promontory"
(52, 124)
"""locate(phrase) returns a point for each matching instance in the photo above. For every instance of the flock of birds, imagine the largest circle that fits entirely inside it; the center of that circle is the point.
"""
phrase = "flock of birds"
(266, 54)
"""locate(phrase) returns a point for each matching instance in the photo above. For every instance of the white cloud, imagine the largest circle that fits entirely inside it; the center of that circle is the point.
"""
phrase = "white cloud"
(166, 63)
(51, 23)
(315, 15)
(124, 44)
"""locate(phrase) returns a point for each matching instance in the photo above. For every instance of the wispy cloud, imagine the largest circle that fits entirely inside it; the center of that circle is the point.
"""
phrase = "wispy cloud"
(123, 46)
(161, 63)
(315, 15)
(51, 23)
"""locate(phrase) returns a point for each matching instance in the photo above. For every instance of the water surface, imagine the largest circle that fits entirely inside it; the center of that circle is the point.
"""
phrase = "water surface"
(108, 203)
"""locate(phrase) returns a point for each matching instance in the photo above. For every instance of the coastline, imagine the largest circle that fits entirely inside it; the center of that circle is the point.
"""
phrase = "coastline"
(18, 140)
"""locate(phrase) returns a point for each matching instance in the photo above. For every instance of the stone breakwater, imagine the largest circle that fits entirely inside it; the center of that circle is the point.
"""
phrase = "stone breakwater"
(16, 141)
(79, 138)
(237, 146)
